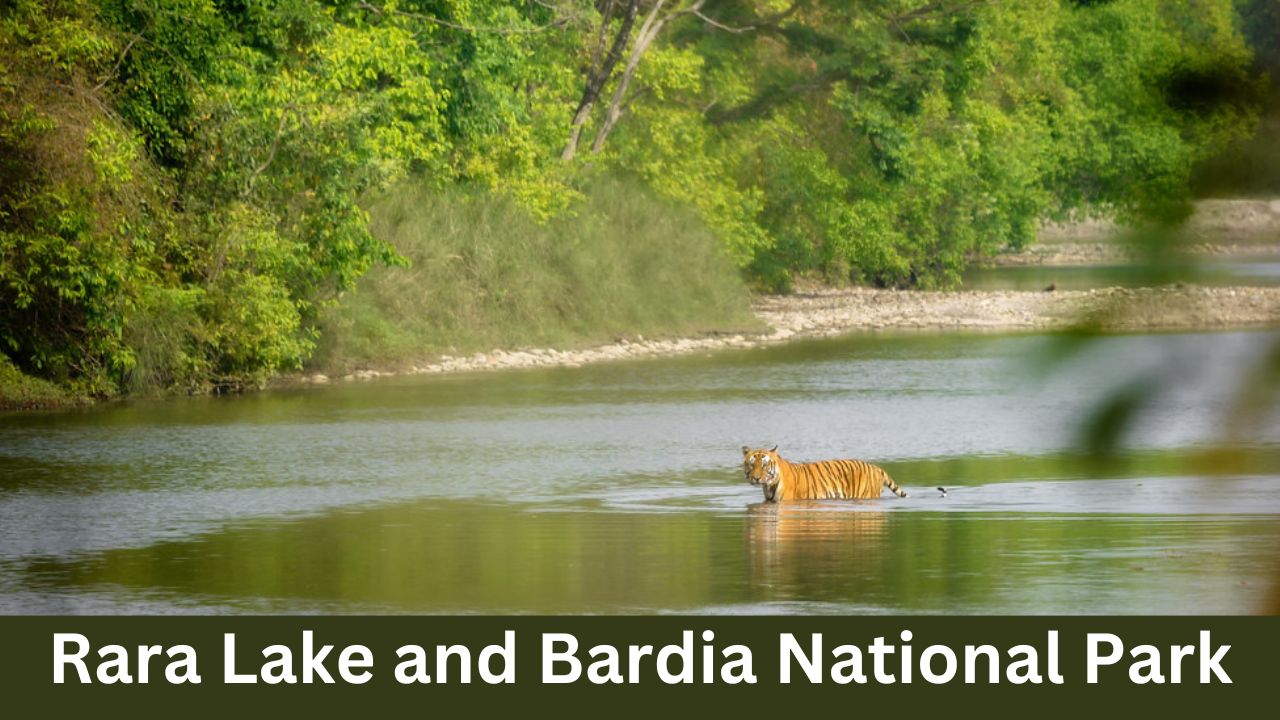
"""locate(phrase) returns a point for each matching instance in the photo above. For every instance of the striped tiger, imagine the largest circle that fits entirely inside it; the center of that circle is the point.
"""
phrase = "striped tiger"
(828, 479)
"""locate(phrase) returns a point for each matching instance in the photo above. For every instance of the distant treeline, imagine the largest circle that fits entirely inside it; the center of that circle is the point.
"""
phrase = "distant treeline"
(185, 185)
(1251, 166)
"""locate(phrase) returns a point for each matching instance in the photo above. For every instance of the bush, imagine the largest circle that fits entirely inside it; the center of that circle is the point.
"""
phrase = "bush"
(19, 391)
(485, 274)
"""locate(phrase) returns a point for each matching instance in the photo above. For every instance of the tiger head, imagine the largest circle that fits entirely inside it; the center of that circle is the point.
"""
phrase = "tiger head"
(760, 466)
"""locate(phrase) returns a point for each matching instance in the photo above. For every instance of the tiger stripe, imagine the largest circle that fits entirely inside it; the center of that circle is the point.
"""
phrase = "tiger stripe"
(823, 480)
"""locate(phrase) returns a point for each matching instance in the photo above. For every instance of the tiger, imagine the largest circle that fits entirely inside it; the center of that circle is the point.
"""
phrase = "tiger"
(827, 479)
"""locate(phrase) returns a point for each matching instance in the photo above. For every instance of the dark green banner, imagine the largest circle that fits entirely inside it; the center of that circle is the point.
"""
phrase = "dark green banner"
(326, 664)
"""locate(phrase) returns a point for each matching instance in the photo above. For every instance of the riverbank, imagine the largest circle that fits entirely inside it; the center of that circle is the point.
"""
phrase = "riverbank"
(834, 312)
(1245, 229)
(829, 312)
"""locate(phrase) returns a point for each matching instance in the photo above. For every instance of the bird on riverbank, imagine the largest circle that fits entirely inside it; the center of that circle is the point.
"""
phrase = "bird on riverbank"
(1052, 286)
(943, 491)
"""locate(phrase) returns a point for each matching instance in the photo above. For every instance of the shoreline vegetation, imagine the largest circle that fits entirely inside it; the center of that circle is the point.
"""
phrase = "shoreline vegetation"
(1247, 230)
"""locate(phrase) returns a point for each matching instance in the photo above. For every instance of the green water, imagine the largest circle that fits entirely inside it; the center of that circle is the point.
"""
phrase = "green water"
(615, 488)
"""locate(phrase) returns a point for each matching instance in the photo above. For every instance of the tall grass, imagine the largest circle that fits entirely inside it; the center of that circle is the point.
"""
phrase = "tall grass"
(484, 274)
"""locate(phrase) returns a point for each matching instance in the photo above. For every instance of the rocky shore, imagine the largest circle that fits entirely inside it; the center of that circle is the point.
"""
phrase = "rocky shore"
(835, 312)
(1170, 307)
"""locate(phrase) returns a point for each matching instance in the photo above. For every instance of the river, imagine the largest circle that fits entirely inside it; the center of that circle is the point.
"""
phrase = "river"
(617, 488)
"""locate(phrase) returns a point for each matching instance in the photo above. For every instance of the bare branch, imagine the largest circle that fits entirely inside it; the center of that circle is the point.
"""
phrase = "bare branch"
(271, 156)
(721, 26)
(764, 22)
(102, 82)
(602, 37)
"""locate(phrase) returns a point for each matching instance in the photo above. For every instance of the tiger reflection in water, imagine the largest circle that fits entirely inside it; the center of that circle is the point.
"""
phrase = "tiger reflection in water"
(815, 551)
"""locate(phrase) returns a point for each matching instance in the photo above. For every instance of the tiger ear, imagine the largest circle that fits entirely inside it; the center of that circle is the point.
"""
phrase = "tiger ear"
(746, 450)
(774, 449)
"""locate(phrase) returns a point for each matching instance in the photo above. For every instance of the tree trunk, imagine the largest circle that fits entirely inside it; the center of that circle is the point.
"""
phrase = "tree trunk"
(648, 32)
(600, 72)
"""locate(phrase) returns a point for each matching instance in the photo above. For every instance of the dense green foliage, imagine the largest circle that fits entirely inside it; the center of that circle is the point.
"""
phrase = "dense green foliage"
(1251, 166)
(182, 181)
(23, 392)
(627, 264)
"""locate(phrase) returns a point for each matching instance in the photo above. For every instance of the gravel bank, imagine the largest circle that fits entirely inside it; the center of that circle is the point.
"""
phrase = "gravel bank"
(835, 312)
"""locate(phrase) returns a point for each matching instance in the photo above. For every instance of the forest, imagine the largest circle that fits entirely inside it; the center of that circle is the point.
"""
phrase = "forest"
(196, 195)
